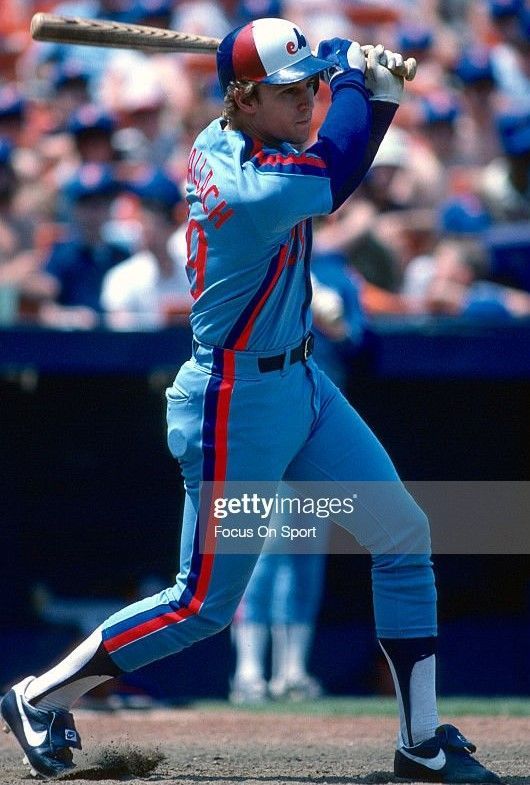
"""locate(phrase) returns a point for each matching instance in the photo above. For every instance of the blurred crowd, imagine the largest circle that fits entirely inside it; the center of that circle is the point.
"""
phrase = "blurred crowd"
(93, 158)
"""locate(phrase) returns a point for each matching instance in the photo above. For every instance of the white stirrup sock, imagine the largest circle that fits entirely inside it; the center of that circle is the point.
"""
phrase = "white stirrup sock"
(412, 663)
(61, 686)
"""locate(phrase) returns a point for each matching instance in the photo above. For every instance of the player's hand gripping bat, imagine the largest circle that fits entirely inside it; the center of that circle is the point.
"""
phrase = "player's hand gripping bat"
(100, 32)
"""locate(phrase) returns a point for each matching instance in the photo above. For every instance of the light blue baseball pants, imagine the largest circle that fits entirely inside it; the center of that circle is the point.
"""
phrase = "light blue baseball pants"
(229, 421)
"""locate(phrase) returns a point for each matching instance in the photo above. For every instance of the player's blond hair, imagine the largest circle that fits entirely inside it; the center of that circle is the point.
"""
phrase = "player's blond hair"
(245, 89)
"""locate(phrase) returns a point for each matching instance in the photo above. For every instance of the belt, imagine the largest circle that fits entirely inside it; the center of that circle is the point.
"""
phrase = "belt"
(300, 353)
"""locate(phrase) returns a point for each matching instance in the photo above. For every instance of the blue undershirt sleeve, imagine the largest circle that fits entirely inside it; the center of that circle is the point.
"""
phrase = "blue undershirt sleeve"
(351, 134)
(382, 115)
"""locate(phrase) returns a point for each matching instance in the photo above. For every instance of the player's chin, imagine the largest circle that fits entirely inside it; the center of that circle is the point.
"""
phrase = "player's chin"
(300, 133)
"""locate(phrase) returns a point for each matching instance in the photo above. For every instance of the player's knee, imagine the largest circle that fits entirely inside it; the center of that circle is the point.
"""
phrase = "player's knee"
(417, 533)
(408, 535)
(216, 618)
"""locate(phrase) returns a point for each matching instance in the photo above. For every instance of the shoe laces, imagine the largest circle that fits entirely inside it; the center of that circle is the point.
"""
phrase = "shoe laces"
(452, 740)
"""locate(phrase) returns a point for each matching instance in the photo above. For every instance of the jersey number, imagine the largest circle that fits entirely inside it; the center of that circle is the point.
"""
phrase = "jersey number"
(197, 263)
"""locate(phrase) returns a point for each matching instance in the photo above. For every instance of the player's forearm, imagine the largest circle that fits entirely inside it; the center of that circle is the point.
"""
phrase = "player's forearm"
(382, 115)
(345, 133)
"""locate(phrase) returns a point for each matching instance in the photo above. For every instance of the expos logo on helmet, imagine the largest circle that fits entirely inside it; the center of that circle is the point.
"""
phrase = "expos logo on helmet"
(269, 50)
(301, 42)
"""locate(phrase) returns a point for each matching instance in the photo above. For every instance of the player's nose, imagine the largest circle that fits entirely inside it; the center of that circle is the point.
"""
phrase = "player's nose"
(307, 97)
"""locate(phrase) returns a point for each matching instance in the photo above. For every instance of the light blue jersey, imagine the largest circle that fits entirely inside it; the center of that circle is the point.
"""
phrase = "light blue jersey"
(249, 239)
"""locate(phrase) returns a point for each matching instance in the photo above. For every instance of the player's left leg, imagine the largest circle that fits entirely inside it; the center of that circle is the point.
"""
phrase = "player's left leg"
(342, 450)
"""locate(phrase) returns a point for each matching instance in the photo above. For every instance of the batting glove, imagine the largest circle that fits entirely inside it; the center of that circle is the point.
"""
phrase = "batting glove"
(343, 55)
(380, 81)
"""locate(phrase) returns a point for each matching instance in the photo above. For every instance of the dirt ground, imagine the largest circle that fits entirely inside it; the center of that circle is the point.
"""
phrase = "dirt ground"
(190, 746)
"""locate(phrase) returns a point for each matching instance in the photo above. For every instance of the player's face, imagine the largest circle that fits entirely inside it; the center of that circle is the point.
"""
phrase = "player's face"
(283, 112)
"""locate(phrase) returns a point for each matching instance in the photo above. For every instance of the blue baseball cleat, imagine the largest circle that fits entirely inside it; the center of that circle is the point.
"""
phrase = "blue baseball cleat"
(444, 758)
(44, 735)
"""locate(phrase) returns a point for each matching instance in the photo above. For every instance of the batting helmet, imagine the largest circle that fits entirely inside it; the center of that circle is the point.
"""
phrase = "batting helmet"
(273, 51)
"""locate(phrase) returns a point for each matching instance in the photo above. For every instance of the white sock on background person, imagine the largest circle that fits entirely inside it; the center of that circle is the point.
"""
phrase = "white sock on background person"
(299, 640)
(279, 652)
(251, 641)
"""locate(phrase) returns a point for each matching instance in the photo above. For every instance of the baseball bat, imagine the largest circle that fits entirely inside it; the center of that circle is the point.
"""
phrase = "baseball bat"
(103, 32)
(119, 35)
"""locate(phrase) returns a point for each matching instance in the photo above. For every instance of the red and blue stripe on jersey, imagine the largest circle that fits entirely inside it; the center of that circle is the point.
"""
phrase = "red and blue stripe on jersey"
(289, 162)
(289, 254)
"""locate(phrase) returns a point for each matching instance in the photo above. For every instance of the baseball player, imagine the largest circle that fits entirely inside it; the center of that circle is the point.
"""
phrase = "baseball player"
(252, 405)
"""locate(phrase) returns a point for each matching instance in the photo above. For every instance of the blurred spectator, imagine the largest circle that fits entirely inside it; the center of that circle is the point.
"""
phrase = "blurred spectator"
(156, 13)
(134, 89)
(254, 9)
(478, 141)
(463, 215)
(320, 18)
(369, 229)
(68, 287)
(439, 113)
(92, 131)
(205, 17)
(406, 173)
(508, 246)
(455, 283)
(510, 55)
(338, 318)
(13, 112)
(352, 232)
(70, 92)
(13, 36)
(414, 39)
(86, 136)
(17, 255)
(40, 54)
(151, 289)
(505, 183)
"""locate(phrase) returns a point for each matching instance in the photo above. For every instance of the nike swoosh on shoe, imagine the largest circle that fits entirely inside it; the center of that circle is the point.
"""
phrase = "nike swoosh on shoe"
(436, 763)
(33, 737)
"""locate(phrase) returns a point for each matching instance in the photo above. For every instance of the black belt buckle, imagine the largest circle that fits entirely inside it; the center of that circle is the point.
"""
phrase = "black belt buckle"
(302, 353)
(308, 345)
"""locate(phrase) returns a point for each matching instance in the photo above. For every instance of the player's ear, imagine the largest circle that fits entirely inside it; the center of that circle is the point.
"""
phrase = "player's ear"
(246, 100)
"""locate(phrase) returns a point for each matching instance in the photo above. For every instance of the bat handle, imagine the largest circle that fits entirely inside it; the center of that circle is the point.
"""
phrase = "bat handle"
(407, 70)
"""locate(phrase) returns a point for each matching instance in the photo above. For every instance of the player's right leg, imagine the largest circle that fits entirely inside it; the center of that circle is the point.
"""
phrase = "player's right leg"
(46, 731)
(205, 407)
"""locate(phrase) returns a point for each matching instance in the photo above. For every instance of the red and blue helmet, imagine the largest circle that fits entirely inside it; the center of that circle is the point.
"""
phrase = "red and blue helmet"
(273, 51)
